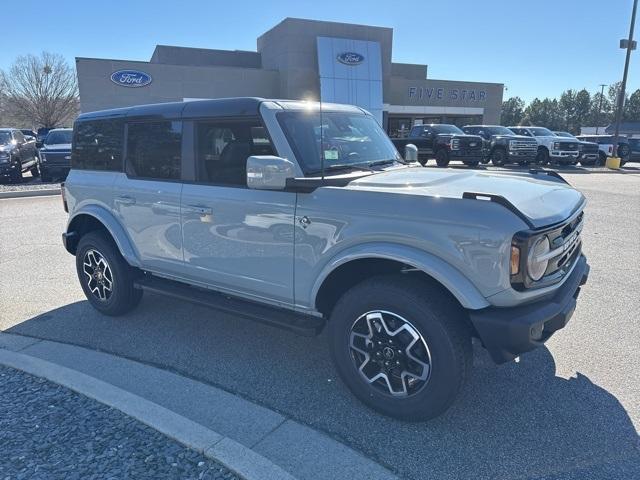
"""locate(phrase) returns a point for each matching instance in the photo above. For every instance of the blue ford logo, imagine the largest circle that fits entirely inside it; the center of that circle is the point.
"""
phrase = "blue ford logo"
(350, 58)
(130, 78)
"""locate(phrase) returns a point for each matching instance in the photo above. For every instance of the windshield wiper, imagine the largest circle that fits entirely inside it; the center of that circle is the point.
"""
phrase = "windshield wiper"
(346, 166)
(386, 162)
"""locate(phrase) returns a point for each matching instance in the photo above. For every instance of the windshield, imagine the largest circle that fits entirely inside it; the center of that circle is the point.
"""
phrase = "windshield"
(348, 139)
(447, 129)
(541, 132)
(499, 131)
(564, 134)
(5, 138)
(58, 137)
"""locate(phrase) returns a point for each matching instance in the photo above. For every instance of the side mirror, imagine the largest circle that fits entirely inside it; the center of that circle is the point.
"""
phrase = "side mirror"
(410, 152)
(267, 172)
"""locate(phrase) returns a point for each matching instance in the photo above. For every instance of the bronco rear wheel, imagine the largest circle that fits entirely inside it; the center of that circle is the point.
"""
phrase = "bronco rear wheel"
(106, 278)
(402, 347)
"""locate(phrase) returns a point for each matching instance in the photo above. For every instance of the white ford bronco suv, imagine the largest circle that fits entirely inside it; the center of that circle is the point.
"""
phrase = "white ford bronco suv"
(304, 216)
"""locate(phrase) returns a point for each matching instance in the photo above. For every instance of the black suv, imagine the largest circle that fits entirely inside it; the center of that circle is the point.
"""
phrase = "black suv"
(444, 143)
(502, 146)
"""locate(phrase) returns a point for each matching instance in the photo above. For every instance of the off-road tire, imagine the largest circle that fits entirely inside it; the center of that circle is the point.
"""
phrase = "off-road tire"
(602, 159)
(437, 318)
(123, 297)
(542, 158)
(35, 170)
(16, 174)
(499, 157)
(442, 158)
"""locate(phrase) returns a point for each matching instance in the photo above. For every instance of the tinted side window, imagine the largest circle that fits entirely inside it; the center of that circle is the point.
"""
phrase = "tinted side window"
(222, 149)
(97, 145)
(154, 150)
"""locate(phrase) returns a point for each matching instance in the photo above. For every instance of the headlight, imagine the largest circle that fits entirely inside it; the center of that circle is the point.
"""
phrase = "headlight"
(511, 144)
(536, 261)
(455, 144)
(556, 145)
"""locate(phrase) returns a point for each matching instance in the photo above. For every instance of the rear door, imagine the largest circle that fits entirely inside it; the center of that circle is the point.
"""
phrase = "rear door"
(147, 195)
(236, 239)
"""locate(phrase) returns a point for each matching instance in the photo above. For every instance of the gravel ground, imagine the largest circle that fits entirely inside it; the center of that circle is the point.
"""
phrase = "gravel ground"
(28, 183)
(49, 432)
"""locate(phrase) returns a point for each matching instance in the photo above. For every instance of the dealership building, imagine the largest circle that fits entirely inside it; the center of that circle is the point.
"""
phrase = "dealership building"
(296, 59)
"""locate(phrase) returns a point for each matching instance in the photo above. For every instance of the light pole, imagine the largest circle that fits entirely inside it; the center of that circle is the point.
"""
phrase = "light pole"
(630, 47)
(602, 85)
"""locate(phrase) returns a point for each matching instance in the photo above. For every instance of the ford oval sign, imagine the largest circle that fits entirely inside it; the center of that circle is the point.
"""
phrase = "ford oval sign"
(350, 58)
(131, 78)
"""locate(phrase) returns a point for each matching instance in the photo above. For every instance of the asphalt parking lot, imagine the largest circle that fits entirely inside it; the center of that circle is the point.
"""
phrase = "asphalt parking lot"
(569, 410)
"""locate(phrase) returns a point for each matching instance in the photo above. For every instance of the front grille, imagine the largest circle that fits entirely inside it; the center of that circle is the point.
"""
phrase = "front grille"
(58, 158)
(470, 143)
(522, 145)
(566, 243)
(589, 148)
(567, 146)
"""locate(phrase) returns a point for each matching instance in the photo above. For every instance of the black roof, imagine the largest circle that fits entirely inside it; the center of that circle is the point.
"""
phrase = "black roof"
(223, 107)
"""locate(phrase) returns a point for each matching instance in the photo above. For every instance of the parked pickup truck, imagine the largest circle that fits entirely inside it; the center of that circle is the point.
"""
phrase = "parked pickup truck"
(589, 151)
(444, 143)
(605, 144)
(502, 146)
(55, 154)
(247, 206)
(18, 154)
(551, 148)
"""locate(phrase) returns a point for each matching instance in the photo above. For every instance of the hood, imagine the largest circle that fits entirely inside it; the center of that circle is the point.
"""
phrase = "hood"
(543, 199)
(555, 138)
(512, 137)
(459, 135)
(62, 147)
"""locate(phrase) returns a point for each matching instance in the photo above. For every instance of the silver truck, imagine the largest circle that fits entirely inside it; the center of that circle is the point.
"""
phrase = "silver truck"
(306, 217)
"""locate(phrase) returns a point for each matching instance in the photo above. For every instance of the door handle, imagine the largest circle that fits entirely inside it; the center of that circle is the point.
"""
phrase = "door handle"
(199, 209)
(125, 200)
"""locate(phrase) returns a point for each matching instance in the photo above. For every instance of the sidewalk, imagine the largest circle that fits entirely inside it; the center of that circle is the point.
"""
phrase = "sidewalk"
(250, 440)
(48, 431)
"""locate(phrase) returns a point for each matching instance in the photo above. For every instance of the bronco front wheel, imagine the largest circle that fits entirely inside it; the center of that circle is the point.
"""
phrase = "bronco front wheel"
(401, 346)
(106, 278)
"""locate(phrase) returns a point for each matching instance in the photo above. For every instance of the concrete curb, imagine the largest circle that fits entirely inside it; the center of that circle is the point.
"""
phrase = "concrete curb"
(238, 458)
(249, 439)
(30, 193)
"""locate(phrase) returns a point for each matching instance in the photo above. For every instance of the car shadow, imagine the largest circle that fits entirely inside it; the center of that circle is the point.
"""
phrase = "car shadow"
(517, 420)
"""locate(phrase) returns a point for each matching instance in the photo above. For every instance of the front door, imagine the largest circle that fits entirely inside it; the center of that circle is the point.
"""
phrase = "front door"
(147, 195)
(236, 239)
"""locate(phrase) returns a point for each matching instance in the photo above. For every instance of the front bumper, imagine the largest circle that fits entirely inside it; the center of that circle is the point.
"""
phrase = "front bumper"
(508, 332)
(466, 155)
(562, 156)
(523, 155)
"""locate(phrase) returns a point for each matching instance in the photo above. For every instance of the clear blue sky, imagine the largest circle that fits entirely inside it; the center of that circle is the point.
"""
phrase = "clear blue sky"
(535, 48)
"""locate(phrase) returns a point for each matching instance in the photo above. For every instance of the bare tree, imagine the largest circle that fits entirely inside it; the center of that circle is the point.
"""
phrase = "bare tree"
(41, 89)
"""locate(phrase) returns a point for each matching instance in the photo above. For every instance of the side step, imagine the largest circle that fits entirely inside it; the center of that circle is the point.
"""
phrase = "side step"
(305, 325)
